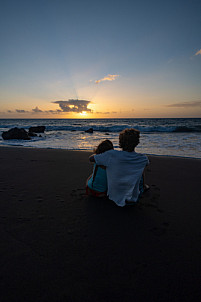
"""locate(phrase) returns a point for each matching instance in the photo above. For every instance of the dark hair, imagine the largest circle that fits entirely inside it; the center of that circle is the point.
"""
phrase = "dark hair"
(129, 139)
(103, 146)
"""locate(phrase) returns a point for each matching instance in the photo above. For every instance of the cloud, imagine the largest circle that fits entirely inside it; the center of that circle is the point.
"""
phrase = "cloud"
(105, 112)
(19, 111)
(53, 111)
(99, 112)
(77, 106)
(198, 52)
(36, 110)
(71, 105)
(109, 77)
(186, 104)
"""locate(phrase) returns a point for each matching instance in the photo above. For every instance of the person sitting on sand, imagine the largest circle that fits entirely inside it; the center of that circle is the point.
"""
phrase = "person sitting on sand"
(96, 184)
(124, 169)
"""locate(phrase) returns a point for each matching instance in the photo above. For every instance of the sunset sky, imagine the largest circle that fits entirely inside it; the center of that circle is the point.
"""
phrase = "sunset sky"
(96, 59)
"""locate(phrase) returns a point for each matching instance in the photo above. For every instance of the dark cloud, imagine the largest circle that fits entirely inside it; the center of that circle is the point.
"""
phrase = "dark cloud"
(71, 105)
(77, 106)
(106, 112)
(186, 104)
(36, 110)
(21, 111)
(53, 111)
(99, 112)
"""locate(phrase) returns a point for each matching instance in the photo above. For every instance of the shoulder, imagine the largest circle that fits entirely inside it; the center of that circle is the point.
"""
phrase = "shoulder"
(105, 154)
(130, 156)
(143, 157)
(103, 158)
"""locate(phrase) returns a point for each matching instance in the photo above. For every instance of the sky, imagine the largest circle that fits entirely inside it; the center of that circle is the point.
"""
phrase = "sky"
(100, 59)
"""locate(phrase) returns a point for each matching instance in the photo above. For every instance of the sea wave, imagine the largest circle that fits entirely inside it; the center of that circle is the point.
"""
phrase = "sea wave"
(119, 128)
(108, 125)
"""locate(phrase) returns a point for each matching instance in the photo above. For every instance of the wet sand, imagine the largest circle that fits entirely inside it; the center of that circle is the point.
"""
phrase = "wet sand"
(59, 245)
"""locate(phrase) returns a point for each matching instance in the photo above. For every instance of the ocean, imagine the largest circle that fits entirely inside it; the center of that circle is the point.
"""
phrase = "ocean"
(159, 136)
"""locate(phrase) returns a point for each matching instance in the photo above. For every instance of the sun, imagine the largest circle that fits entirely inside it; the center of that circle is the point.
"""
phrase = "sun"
(83, 113)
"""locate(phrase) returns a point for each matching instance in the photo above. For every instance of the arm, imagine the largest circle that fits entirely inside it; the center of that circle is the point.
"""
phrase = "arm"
(101, 159)
(145, 186)
(91, 159)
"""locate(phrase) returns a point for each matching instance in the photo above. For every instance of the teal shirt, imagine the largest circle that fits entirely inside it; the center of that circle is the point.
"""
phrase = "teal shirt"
(100, 182)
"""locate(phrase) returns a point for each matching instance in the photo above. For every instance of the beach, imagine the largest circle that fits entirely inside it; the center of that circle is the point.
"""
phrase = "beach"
(57, 244)
(161, 136)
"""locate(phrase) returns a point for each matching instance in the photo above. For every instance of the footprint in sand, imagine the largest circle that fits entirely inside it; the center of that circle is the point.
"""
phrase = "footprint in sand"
(59, 198)
(39, 199)
(151, 198)
(78, 194)
(159, 231)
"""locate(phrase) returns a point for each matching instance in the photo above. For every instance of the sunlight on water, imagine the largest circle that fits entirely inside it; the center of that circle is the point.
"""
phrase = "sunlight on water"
(71, 135)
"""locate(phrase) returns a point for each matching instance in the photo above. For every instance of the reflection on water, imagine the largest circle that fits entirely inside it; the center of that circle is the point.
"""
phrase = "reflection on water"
(158, 136)
(153, 143)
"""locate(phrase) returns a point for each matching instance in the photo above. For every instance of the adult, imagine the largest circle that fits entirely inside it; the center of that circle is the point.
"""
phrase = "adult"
(124, 168)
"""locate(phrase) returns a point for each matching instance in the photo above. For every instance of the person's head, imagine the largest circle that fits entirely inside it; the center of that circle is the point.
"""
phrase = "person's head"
(129, 139)
(104, 146)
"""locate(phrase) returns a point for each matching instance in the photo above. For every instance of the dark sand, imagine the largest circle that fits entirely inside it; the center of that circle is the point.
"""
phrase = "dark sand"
(57, 244)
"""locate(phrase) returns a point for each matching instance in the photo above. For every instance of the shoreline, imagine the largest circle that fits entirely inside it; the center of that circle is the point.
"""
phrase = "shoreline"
(167, 137)
(91, 151)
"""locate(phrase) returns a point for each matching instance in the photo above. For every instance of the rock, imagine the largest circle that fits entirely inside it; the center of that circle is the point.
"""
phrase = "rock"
(16, 133)
(90, 130)
(32, 134)
(37, 129)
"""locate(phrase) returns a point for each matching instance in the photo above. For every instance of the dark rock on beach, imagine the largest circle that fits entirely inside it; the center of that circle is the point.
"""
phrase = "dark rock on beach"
(37, 129)
(16, 133)
(90, 130)
(32, 134)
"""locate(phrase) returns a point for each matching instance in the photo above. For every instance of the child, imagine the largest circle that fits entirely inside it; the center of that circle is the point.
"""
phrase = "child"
(96, 184)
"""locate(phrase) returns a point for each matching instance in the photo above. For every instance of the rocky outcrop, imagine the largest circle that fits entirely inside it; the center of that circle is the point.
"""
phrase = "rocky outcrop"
(15, 133)
(90, 130)
(37, 129)
(32, 134)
